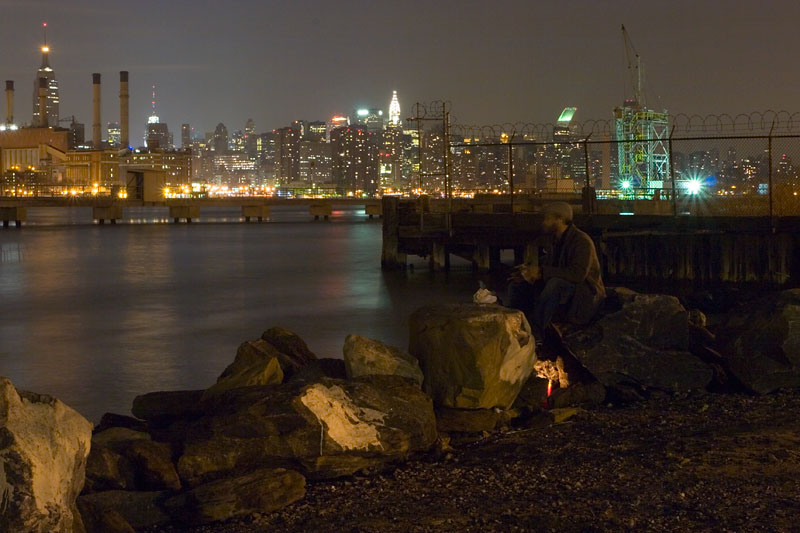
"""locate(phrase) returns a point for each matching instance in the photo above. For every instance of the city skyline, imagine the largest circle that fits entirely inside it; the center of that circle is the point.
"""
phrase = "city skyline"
(277, 63)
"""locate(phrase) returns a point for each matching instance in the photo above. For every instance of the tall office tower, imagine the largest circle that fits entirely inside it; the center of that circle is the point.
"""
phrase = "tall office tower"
(287, 153)
(355, 160)
(251, 139)
(315, 161)
(186, 136)
(46, 71)
(219, 141)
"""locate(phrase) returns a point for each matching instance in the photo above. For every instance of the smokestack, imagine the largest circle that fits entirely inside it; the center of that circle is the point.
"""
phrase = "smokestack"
(42, 102)
(97, 141)
(123, 109)
(9, 102)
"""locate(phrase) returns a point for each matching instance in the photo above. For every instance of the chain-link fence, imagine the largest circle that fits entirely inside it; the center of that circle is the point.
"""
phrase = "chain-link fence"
(755, 175)
(713, 165)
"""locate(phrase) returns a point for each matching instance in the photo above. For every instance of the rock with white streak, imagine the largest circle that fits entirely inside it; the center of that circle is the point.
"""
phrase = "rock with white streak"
(330, 427)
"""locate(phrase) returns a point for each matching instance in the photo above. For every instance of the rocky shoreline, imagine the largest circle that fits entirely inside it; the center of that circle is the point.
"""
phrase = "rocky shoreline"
(691, 462)
(282, 434)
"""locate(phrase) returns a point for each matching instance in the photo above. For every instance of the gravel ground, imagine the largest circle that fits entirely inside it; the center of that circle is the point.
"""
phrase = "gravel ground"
(706, 462)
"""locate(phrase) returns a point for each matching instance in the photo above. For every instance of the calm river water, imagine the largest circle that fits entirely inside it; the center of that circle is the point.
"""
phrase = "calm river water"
(95, 315)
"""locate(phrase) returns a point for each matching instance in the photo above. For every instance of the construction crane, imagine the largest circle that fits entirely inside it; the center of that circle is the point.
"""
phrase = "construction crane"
(634, 62)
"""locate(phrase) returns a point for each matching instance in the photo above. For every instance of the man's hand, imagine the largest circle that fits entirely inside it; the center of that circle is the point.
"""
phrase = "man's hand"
(529, 273)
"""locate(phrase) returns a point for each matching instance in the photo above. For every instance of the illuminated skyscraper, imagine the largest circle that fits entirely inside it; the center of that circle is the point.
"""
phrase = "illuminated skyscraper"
(394, 110)
(157, 132)
(45, 71)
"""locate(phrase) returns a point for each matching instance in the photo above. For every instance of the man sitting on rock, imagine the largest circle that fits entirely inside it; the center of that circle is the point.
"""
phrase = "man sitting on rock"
(569, 277)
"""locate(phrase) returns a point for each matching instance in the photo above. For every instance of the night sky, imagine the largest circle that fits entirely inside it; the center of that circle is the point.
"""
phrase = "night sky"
(524, 60)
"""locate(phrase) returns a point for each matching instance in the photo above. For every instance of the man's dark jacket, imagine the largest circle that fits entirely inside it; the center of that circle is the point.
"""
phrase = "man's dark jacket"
(574, 258)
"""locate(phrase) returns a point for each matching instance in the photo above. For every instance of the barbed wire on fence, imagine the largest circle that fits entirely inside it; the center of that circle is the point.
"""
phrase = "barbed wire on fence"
(432, 110)
(681, 124)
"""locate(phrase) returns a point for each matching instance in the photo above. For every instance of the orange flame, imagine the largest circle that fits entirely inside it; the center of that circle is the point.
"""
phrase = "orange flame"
(549, 387)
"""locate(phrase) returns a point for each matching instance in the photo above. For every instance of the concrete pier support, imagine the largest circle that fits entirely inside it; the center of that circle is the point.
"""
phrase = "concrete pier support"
(485, 258)
(391, 257)
(259, 212)
(440, 258)
(480, 258)
(320, 210)
(177, 212)
(111, 213)
(16, 214)
(373, 209)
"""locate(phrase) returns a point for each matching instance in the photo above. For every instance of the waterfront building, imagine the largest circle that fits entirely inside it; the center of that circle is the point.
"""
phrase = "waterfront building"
(176, 164)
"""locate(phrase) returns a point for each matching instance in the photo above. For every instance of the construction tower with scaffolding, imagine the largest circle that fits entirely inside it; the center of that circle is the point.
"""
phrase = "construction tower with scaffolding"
(641, 133)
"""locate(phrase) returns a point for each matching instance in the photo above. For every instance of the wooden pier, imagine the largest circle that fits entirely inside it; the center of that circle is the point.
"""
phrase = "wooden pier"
(653, 249)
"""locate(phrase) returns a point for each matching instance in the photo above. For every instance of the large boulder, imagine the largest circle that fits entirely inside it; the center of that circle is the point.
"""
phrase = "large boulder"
(321, 368)
(644, 344)
(256, 363)
(44, 445)
(364, 357)
(329, 428)
(761, 342)
(164, 407)
(140, 509)
(293, 353)
(152, 465)
(261, 491)
(473, 356)
(108, 470)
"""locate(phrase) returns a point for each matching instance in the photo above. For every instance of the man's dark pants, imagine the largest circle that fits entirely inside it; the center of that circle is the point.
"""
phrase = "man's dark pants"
(540, 300)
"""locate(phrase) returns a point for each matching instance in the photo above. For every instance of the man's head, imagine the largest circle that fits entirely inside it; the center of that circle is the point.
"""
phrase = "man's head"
(557, 216)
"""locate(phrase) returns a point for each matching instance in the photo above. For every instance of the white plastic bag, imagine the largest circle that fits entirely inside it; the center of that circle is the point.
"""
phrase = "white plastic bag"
(484, 296)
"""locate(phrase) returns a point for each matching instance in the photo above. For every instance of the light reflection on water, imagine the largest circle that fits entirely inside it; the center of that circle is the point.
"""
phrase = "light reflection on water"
(96, 315)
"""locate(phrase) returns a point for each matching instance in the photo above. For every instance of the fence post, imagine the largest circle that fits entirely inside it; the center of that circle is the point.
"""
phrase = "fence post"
(769, 154)
(586, 159)
(672, 174)
(511, 172)
(589, 194)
